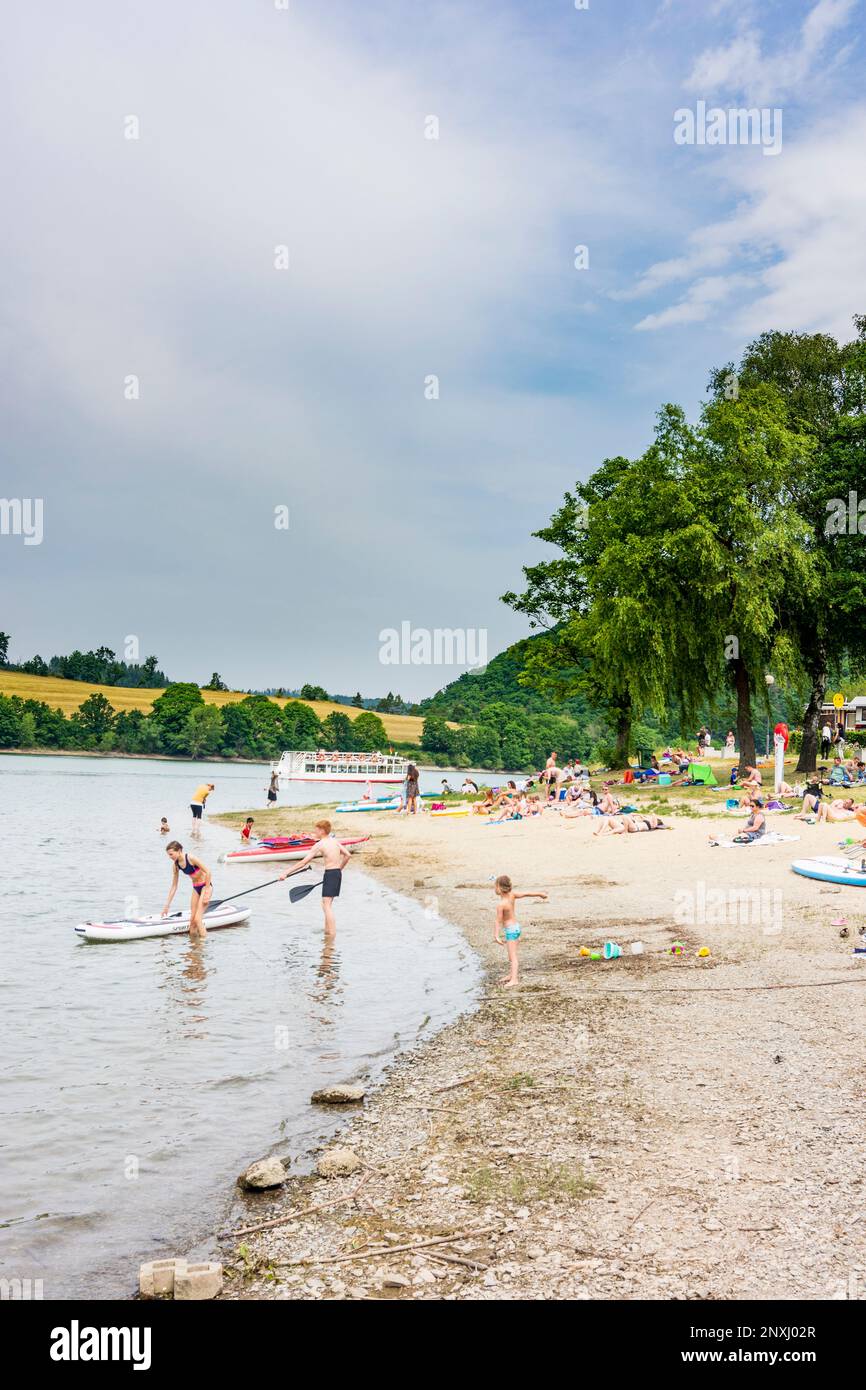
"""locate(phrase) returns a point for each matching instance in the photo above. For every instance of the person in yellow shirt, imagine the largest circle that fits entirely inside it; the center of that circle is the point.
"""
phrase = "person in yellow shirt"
(199, 797)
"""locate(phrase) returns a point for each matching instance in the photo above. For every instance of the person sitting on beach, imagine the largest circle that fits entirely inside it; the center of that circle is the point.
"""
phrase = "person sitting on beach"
(811, 800)
(754, 781)
(247, 830)
(755, 825)
(483, 808)
(838, 774)
(608, 805)
(469, 786)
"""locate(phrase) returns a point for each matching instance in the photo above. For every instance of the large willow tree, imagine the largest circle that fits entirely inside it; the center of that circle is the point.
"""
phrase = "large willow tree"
(672, 568)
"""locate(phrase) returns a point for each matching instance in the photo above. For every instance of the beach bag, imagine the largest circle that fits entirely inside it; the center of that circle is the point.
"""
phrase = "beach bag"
(628, 775)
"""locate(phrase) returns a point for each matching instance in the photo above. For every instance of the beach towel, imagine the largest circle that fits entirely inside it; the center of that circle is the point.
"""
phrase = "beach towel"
(770, 838)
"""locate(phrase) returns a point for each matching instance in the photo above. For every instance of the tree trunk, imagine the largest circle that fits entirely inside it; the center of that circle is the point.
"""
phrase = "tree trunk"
(622, 715)
(808, 759)
(745, 732)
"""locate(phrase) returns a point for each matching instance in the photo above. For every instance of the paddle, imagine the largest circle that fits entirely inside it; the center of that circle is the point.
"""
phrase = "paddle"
(218, 902)
(296, 894)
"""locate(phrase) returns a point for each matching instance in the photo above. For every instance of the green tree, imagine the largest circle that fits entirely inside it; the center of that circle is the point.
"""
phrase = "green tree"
(484, 746)
(369, 732)
(173, 707)
(434, 734)
(96, 715)
(10, 722)
(202, 734)
(823, 386)
(301, 729)
(313, 692)
(337, 733)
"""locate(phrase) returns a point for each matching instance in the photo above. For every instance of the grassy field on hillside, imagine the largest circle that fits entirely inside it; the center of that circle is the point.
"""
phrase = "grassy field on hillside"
(68, 695)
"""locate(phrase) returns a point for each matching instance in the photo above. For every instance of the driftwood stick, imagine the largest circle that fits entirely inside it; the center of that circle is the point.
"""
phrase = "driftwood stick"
(294, 1215)
(375, 1250)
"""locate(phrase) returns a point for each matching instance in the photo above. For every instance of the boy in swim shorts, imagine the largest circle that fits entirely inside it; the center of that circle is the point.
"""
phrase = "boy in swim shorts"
(506, 928)
(335, 858)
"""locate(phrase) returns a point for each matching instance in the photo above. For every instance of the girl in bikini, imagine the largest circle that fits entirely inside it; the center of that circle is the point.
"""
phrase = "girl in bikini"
(200, 882)
(507, 923)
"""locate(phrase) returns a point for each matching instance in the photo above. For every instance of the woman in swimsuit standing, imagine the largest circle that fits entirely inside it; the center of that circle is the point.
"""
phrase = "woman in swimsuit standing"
(200, 882)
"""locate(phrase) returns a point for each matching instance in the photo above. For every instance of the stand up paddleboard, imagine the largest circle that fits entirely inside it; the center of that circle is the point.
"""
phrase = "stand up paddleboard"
(350, 807)
(830, 869)
(138, 928)
(452, 811)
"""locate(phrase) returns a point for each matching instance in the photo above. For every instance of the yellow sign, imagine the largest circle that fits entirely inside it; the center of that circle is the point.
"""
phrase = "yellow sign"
(838, 701)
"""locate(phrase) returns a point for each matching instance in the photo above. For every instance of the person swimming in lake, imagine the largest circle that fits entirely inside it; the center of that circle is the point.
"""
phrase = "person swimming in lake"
(335, 857)
(506, 928)
(164, 827)
(247, 830)
(200, 882)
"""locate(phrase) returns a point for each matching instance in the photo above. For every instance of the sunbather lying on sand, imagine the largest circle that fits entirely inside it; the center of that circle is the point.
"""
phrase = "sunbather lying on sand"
(836, 811)
(630, 825)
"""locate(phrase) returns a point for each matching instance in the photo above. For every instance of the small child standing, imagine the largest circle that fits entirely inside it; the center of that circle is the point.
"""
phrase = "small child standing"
(507, 923)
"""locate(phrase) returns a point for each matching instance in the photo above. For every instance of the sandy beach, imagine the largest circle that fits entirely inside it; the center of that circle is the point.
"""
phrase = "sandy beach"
(658, 1126)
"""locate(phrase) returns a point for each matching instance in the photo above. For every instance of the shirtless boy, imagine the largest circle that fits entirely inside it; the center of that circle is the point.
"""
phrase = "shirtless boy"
(335, 857)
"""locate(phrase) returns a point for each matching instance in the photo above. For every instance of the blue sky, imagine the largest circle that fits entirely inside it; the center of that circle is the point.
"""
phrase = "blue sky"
(408, 257)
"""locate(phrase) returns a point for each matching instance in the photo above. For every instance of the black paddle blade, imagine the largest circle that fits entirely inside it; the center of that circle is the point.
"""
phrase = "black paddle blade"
(295, 894)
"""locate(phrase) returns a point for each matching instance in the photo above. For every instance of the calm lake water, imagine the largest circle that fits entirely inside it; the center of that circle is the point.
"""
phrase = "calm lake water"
(138, 1079)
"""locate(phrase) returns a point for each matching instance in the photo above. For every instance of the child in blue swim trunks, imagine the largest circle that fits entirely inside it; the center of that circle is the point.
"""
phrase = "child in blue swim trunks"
(506, 929)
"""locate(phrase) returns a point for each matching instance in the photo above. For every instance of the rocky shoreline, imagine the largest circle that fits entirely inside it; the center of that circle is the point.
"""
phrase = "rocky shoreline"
(658, 1127)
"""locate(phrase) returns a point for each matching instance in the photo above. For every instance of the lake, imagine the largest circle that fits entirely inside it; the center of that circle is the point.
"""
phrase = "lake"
(139, 1078)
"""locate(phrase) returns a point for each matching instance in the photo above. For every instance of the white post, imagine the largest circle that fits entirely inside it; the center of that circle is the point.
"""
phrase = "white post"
(780, 761)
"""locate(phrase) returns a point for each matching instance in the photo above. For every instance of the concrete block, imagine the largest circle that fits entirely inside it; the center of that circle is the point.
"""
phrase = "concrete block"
(159, 1276)
(198, 1281)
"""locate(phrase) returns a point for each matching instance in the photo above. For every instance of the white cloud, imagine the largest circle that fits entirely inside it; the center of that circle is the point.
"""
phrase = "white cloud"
(741, 66)
(795, 241)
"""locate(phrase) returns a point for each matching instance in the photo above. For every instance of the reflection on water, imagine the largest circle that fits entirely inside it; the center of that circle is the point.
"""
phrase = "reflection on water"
(137, 1079)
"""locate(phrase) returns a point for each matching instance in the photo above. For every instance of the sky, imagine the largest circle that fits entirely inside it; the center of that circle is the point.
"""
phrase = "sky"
(295, 348)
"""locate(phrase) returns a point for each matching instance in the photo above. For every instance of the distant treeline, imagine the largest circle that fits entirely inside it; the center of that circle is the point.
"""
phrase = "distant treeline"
(181, 723)
(100, 667)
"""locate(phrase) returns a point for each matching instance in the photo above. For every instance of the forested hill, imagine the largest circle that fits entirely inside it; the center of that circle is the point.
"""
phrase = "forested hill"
(466, 699)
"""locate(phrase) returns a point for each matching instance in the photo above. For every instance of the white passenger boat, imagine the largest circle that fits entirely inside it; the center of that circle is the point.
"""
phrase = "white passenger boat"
(321, 766)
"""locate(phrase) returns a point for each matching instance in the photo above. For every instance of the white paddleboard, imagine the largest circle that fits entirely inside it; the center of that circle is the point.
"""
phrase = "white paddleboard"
(138, 928)
(832, 869)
